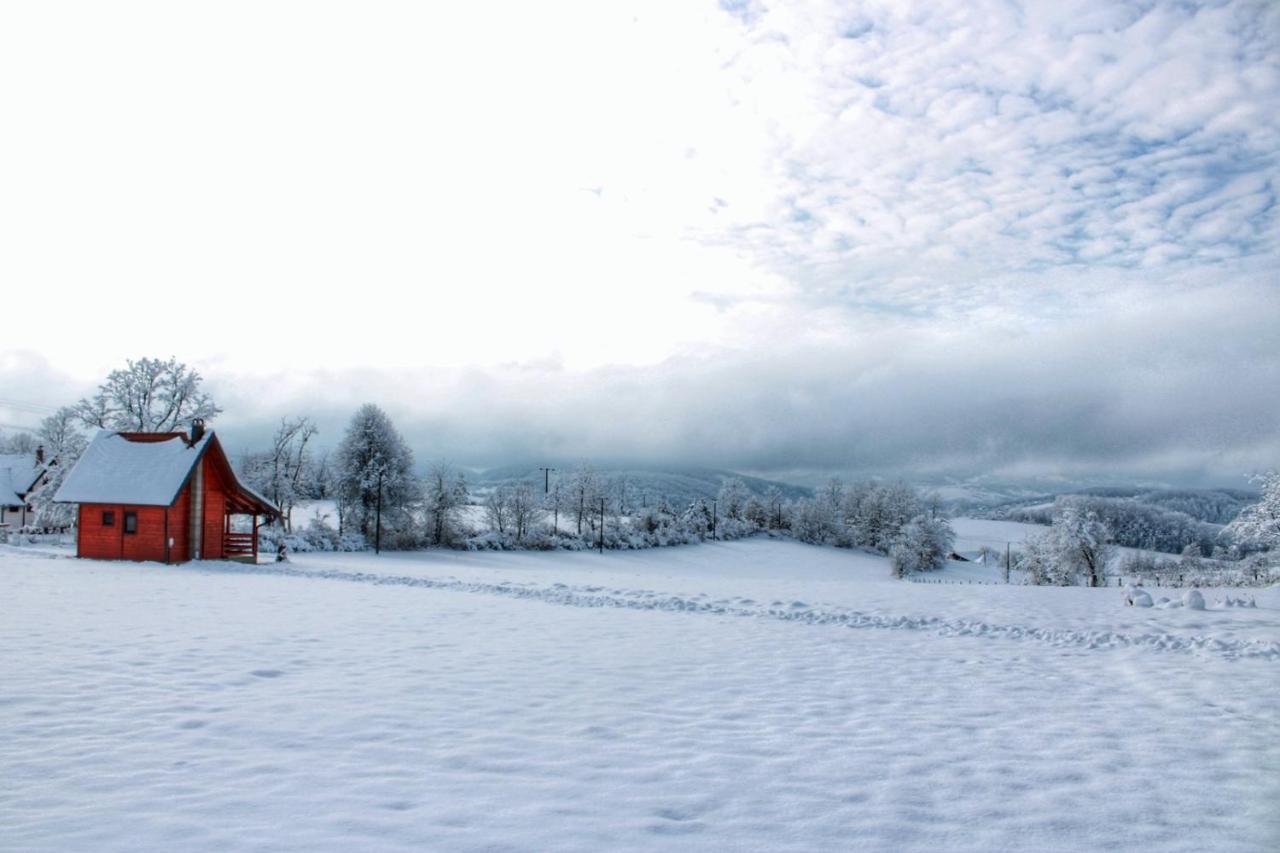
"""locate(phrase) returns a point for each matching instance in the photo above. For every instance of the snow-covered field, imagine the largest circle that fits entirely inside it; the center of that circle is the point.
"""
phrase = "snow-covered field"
(755, 695)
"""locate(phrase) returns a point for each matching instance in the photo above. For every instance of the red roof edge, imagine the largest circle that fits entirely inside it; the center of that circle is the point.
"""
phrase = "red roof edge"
(151, 436)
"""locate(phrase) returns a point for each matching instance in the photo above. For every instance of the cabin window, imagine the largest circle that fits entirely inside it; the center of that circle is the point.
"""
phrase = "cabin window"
(108, 518)
(130, 522)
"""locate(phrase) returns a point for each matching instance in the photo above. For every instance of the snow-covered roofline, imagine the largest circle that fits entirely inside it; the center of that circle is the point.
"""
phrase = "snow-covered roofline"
(18, 473)
(144, 471)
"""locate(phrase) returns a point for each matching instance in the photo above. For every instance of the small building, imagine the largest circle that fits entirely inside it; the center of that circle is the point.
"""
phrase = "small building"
(20, 474)
(162, 496)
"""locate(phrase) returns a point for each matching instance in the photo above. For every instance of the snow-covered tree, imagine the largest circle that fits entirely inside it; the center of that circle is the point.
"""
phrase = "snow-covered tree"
(375, 468)
(1192, 558)
(20, 443)
(756, 513)
(1041, 560)
(63, 442)
(1258, 526)
(444, 499)
(1076, 545)
(148, 395)
(1083, 543)
(922, 545)
(733, 498)
(696, 518)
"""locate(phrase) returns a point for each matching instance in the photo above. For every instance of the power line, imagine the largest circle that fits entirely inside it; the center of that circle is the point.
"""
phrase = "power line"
(23, 406)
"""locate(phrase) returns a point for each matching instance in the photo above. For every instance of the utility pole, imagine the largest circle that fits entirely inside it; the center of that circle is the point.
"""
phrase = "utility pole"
(602, 526)
(377, 536)
(1006, 562)
(546, 479)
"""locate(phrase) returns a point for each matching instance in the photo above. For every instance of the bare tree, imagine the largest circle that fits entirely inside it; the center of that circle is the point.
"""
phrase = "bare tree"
(554, 502)
(445, 494)
(283, 472)
(497, 508)
(584, 493)
(524, 507)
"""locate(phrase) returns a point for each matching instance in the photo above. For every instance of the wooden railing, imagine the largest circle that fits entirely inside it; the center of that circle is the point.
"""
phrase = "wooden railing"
(239, 545)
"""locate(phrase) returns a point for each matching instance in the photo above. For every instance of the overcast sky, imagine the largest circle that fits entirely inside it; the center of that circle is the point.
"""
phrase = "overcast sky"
(943, 237)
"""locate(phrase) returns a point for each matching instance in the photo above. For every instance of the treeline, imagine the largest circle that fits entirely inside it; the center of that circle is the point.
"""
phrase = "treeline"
(1082, 540)
(380, 501)
(890, 519)
(1133, 524)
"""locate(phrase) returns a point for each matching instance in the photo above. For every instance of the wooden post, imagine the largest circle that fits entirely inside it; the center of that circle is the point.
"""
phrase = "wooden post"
(255, 538)
(602, 526)
(377, 536)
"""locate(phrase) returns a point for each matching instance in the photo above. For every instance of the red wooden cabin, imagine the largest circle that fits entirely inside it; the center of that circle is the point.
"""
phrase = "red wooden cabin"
(162, 496)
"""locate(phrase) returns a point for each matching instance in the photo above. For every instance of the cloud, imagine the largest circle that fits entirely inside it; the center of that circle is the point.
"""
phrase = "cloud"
(1107, 392)
(1017, 138)
(891, 237)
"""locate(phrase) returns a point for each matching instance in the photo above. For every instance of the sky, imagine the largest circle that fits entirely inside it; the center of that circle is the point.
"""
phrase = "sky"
(926, 239)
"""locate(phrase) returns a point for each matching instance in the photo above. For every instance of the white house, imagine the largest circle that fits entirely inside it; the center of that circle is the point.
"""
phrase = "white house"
(20, 473)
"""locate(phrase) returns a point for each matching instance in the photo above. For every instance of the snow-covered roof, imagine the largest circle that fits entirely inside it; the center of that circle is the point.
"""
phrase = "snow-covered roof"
(18, 472)
(115, 470)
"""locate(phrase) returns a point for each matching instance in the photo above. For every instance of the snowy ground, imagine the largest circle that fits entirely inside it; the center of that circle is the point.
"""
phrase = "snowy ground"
(757, 695)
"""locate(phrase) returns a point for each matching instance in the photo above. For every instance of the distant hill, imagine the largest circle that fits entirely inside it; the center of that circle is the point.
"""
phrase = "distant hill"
(646, 486)
(1213, 506)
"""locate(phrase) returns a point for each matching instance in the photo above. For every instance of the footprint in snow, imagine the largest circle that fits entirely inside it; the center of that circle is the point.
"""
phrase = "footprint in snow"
(267, 673)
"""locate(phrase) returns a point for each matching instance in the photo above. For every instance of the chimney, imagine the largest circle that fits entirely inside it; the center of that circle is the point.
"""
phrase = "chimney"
(197, 429)
(40, 455)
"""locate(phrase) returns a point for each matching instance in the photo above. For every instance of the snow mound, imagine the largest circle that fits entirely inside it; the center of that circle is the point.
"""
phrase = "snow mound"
(1137, 597)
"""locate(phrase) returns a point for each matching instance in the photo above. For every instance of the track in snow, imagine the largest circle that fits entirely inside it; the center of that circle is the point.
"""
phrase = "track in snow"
(794, 611)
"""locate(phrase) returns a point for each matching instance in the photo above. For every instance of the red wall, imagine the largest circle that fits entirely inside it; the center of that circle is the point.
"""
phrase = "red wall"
(112, 543)
(215, 510)
(180, 527)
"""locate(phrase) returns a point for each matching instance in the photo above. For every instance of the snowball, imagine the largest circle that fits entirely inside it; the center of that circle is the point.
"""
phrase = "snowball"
(1193, 599)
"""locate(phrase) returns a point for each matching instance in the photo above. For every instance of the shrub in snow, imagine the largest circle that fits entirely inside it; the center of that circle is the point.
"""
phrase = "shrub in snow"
(317, 536)
(1193, 599)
